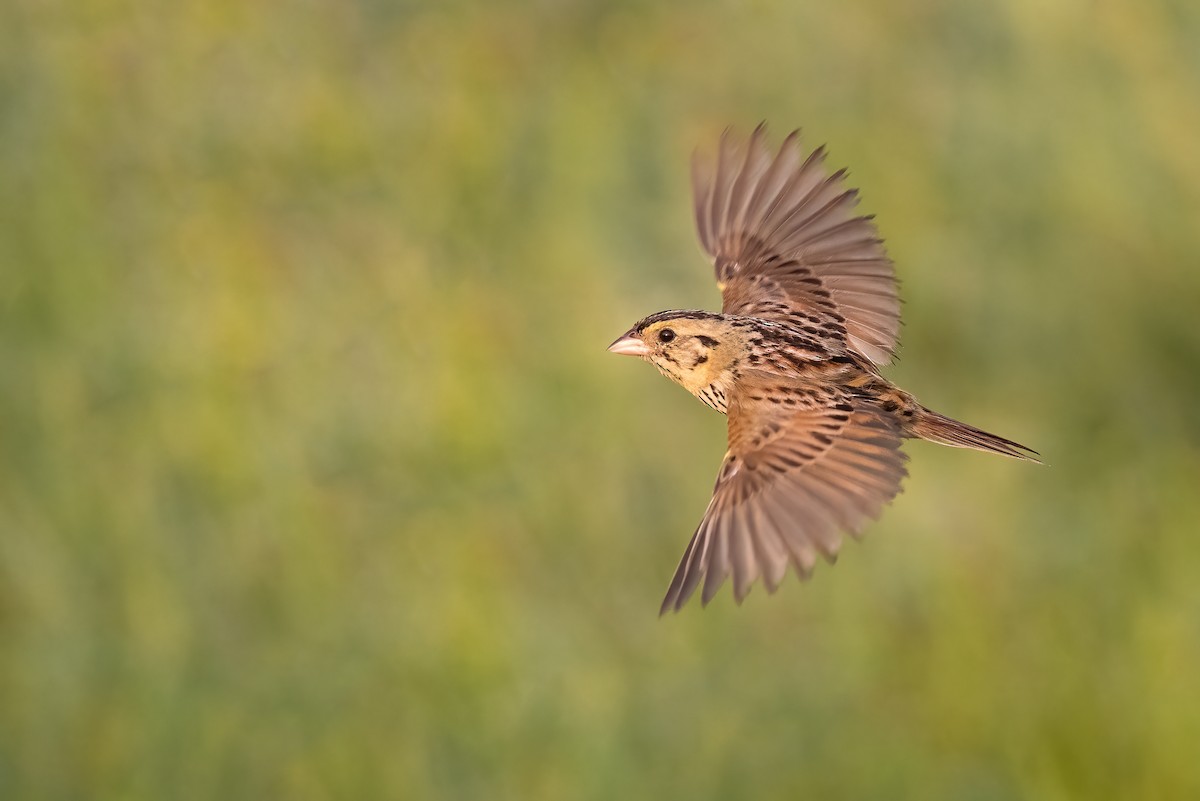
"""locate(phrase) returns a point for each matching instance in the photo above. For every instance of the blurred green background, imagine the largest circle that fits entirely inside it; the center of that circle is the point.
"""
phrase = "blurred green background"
(316, 480)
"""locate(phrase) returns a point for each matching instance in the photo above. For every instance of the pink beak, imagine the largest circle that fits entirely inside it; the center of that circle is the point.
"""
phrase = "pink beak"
(629, 345)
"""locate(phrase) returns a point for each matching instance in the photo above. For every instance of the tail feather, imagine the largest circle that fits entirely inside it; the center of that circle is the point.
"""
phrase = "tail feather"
(944, 430)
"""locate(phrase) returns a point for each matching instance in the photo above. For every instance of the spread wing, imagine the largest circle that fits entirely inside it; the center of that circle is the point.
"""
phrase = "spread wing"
(797, 474)
(786, 243)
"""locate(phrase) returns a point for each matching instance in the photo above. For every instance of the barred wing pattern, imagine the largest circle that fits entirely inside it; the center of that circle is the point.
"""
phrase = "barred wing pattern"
(796, 475)
(786, 244)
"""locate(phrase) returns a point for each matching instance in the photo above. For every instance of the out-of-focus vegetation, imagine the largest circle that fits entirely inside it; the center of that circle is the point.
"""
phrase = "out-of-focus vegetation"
(316, 480)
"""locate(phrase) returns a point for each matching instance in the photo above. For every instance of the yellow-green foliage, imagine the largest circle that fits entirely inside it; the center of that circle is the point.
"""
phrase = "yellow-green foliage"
(316, 480)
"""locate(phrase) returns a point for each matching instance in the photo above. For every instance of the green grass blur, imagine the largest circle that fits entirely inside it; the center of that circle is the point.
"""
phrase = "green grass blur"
(316, 480)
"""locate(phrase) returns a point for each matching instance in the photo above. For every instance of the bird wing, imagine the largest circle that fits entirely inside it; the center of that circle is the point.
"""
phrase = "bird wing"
(804, 464)
(786, 244)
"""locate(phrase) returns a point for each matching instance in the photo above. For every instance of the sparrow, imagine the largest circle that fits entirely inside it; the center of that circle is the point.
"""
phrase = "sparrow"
(809, 314)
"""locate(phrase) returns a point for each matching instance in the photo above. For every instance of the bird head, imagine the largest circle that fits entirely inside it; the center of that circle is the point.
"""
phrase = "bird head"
(693, 348)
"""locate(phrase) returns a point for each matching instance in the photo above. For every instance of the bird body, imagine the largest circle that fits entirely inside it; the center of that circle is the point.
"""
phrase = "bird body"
(810, 312)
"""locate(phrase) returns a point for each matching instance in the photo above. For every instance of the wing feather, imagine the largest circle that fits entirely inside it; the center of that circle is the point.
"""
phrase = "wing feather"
(792, 481)
(785, 241)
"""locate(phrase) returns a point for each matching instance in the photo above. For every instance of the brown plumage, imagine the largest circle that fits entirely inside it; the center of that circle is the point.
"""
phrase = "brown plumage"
(809, 312)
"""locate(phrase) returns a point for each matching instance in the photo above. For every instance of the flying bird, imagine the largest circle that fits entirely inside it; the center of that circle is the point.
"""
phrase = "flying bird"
(809, 314)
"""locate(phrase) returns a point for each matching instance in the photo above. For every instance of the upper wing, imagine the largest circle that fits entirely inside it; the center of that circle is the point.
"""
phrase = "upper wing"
(797, 473)
(785, 243)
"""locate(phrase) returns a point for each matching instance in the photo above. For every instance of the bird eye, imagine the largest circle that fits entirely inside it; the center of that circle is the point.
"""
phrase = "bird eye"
(666, 335)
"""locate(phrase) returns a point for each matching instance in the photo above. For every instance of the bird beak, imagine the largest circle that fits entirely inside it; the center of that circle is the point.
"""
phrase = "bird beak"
(629, 345)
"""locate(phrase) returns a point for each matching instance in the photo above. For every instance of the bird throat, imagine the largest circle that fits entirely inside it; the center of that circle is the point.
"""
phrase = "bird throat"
(712, 383)
(716, 394)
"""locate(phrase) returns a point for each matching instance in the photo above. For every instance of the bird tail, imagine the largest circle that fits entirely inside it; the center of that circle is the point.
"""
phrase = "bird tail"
(944, 430)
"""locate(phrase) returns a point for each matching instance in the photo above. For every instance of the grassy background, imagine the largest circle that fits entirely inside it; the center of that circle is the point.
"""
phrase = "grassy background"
(317, 482)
